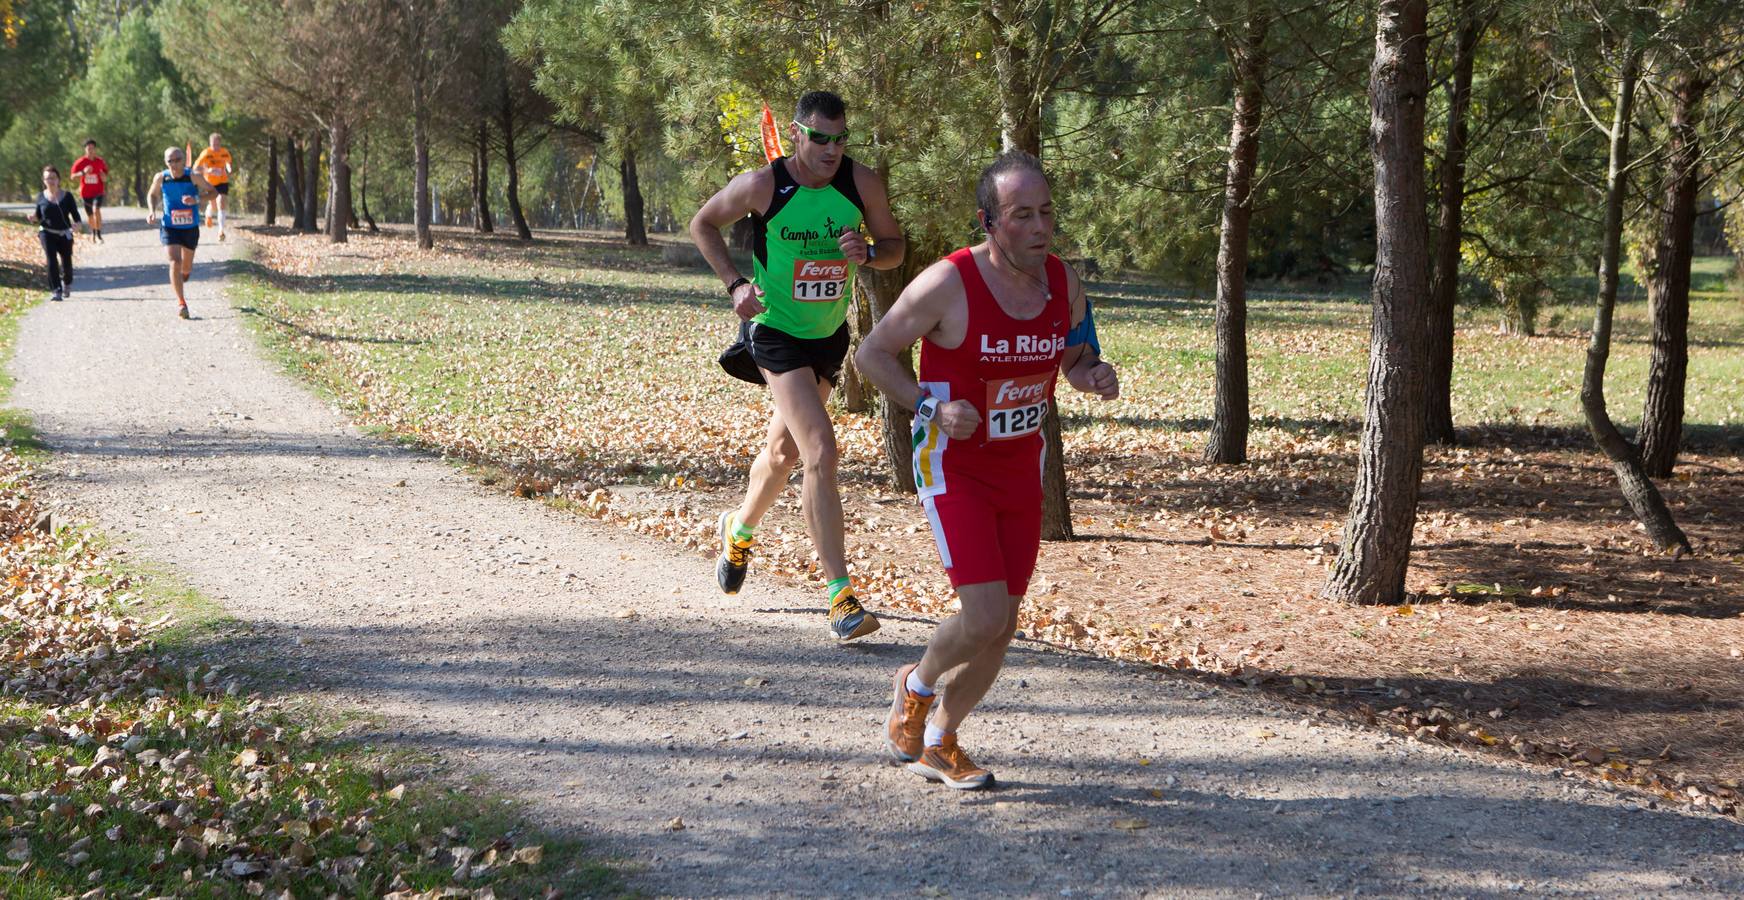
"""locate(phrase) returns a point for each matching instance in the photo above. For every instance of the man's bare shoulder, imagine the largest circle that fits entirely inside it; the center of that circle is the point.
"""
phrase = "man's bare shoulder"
(939, 283)
(748, 192)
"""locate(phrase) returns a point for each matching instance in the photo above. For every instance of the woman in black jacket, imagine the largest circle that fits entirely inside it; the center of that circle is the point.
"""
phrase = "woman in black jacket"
(55, 213)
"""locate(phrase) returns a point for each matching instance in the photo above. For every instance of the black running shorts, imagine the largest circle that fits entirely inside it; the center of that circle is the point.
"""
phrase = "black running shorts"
(93, 203)
(222, 187)
(181, 237)
(762, 347)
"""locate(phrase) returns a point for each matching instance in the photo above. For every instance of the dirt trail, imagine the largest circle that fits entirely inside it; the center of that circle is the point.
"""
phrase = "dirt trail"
(600, 676)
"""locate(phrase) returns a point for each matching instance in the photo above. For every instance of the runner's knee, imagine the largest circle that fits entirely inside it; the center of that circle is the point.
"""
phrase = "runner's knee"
(783, 453)
(819, 452)
(985, 627)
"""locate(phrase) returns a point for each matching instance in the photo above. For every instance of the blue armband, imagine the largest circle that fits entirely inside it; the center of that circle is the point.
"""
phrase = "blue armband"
(1085, 332)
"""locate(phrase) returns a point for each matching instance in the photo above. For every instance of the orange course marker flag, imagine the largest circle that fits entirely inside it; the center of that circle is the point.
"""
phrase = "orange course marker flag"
(772, 148)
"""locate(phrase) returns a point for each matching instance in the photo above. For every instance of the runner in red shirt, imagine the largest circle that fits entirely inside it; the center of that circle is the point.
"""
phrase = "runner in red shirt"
(996, 323)
(92, 174)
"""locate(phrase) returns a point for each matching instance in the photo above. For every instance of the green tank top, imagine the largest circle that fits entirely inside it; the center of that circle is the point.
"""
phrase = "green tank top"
(804, 277)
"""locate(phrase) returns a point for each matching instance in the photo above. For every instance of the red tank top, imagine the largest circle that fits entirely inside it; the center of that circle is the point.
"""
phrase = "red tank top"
(1005, 366)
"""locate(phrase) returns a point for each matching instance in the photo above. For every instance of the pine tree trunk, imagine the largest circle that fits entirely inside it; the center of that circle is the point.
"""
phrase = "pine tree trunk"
(338, 181)
(743, 233)
(311, 183)
(1668, 367)
(363, 191)
(856, 393)
(421, 200)
(881, 287)
(1376, 548)
(512, 163)
(1020, 111)
(635, 226)
(1020, 129)
(272, 181)
(1450, 224)
(482, 220)
(352, 220)
(1229, 423)
(291, 187)
(1638, 490)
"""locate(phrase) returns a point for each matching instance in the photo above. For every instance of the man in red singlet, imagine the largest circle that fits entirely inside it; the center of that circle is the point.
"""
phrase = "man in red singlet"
(92, 175)
(996, 322)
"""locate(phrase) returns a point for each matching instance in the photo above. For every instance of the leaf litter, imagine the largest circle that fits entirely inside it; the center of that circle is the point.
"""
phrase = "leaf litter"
(592, 386)
(123, 765)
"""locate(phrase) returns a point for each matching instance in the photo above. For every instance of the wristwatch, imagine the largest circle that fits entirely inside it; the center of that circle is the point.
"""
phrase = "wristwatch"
(926, 409)
(735, 285)
(871, 252)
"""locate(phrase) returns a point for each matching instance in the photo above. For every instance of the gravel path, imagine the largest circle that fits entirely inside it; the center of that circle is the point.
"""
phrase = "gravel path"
(601, 677)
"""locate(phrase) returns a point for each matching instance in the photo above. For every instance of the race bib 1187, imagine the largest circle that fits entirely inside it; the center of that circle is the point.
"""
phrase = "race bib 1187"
(820, 280)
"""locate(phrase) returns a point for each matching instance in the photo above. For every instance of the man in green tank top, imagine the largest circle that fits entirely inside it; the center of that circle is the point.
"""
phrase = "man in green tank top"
(813, 211)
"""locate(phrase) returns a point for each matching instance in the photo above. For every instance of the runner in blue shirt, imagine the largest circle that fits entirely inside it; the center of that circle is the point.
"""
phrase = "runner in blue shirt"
(180, 191)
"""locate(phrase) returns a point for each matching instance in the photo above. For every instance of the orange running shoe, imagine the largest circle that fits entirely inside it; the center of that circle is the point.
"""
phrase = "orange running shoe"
(948, 763)
(906, 726)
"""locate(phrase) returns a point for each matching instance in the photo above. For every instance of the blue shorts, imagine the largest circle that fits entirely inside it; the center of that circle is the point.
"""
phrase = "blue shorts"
(184, 237)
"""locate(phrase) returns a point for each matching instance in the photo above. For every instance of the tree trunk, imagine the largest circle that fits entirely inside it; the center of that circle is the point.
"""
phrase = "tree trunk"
(744, 233)
(1229, 424)
(338, 181)
(1444, 287)
(1638, 490)
(351, 218)
(421, 200)
(1376, 548)
(1020, 113)
(856, 393)
(1668, 367)
(481, 214)
(272, 181)
(311, 183)
(635, 228)
(512, 164)
(363, 191)
(1020, 129)
(881, 287)
(291, 188)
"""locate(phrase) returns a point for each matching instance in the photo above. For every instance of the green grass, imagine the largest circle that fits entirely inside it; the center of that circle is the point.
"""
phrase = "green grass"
(18, 294)
(1308, 360)
(597, 365)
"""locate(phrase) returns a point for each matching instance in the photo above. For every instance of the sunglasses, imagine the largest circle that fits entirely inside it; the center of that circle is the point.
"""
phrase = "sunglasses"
(820, 137)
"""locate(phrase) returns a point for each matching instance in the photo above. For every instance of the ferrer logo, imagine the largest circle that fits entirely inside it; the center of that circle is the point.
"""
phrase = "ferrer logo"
(1017, 392)
(821, 270)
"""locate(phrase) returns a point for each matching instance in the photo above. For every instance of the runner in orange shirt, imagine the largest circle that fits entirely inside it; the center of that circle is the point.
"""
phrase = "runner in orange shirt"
(215, 164)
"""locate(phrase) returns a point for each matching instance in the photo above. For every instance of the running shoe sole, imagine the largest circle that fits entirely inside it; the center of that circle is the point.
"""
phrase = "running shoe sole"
(865, 625)
(967, 784)
(724, 566)
(897, 689)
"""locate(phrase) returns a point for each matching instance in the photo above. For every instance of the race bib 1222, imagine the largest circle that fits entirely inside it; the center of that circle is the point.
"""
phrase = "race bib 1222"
(1015, 406)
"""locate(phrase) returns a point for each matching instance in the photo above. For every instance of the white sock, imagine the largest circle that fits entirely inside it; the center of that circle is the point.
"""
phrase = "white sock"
(917, 686)
(934, 735)
(220, 220)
